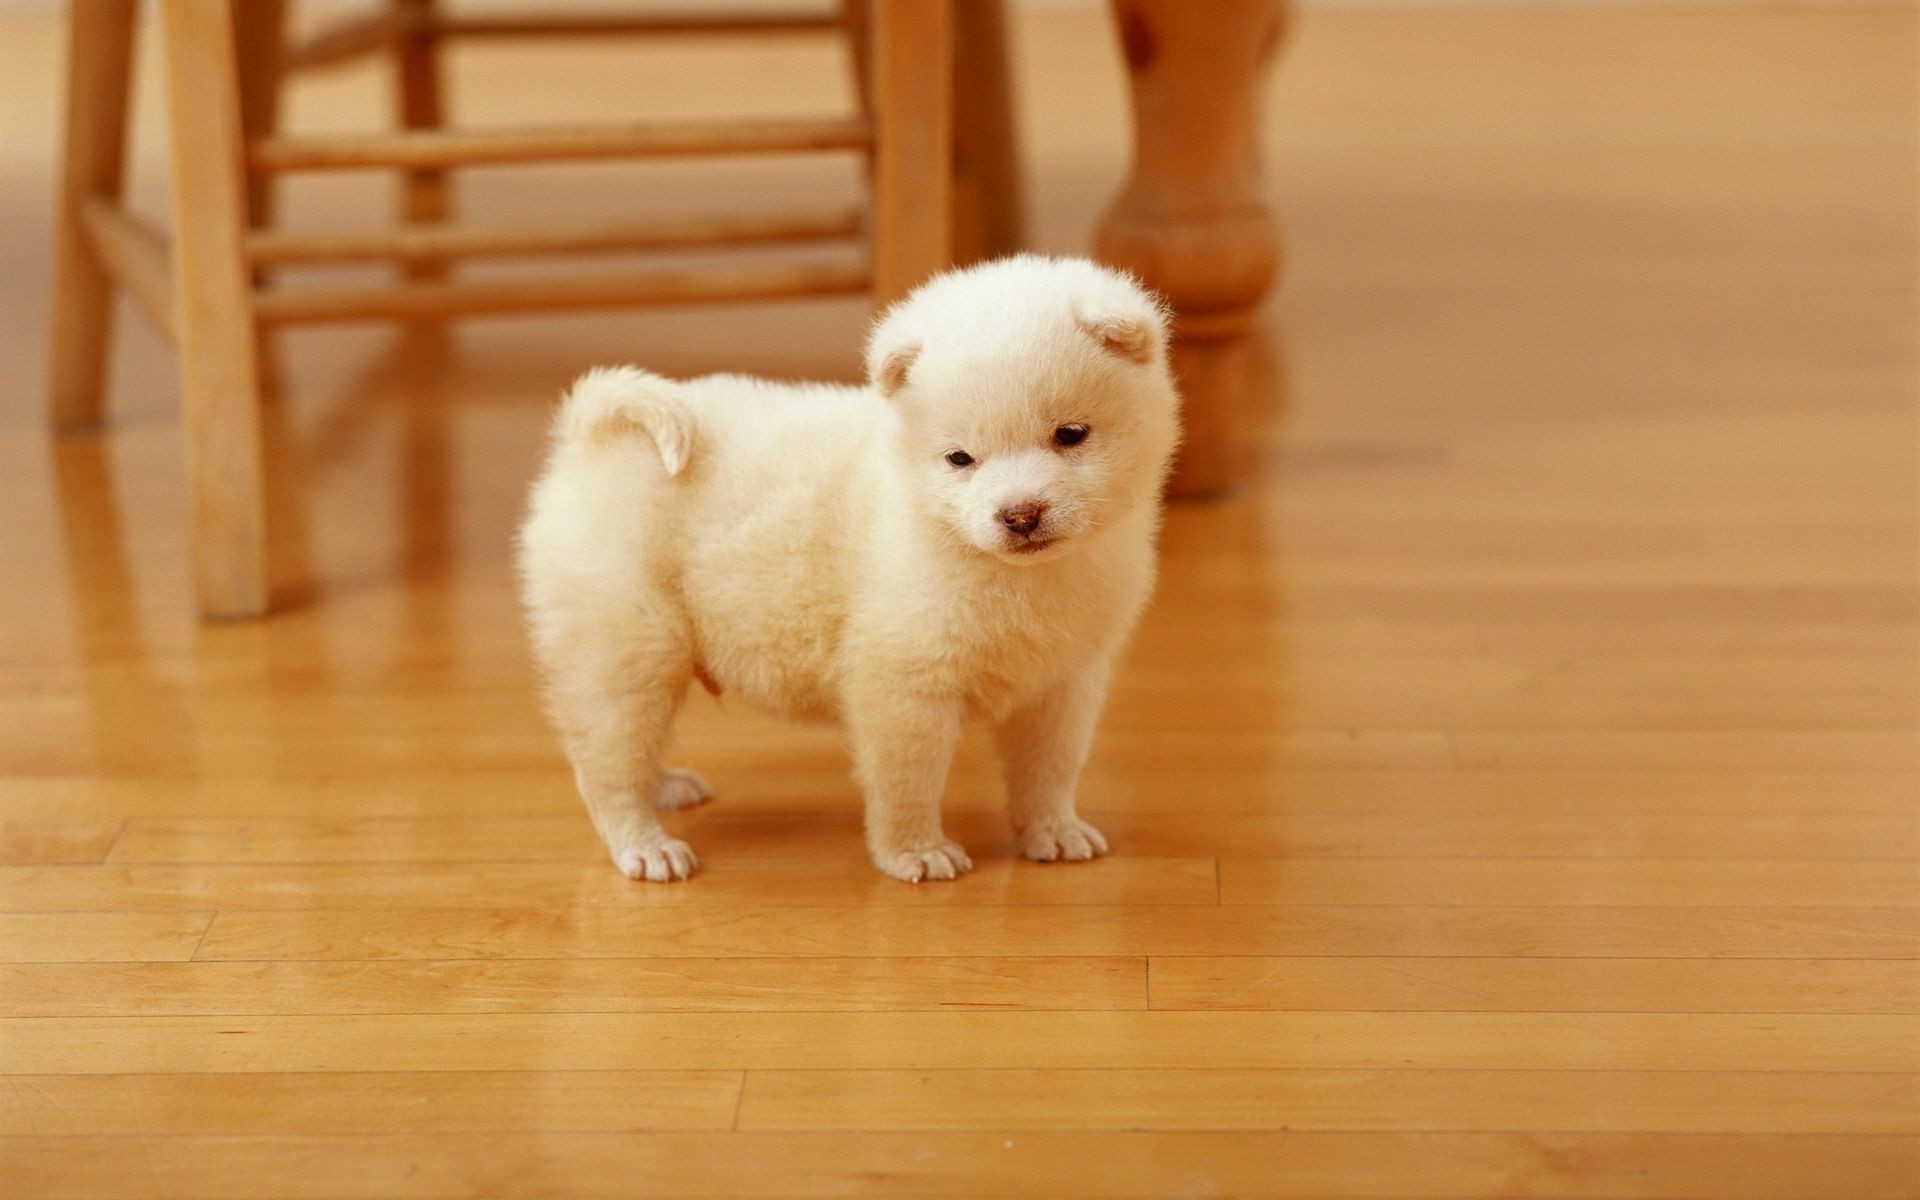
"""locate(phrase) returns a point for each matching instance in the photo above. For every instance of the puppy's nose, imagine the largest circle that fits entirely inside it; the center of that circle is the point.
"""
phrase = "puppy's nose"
(1023, 518)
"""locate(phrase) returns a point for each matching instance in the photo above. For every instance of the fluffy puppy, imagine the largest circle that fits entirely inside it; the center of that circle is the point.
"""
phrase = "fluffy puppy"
(970, 535)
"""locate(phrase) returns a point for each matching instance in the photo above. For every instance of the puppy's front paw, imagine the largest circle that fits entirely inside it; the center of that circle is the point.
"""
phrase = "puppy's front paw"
(1062, 839)
(660, 859)
(941, 860)
(681, 788)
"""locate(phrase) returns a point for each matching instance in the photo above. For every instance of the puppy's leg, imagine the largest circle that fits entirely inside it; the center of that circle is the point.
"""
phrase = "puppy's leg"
(1043, 745)
(680, 787)
(903, 745)
(615, 710)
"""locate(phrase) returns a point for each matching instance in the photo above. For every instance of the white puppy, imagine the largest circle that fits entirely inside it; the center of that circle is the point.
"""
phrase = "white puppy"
(970, 535)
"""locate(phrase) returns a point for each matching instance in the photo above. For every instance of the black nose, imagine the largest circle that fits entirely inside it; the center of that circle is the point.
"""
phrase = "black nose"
(1023, 519)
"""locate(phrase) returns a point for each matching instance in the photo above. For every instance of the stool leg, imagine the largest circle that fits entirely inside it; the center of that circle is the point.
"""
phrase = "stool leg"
(988, 221)
(417, 59)
(219, 380)
(856, 18)
(913, 144)
(260, 32)
(99, 75)
(260, 44)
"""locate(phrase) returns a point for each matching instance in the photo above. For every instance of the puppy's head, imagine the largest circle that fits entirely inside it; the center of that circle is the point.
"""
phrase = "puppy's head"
(1035, 401)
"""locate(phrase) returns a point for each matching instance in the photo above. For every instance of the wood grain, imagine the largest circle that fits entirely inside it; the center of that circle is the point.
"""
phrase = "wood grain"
(345, 1104)
(1598, 1102)
(1712, 883)
(1434, 833)
(813, 776)
(1653, 1166)
(1373, 930)
(904, 984)
(1536, 985)
(52, 840)
(169, 936)
(1888, 883)
(534, 887)
(946, 1040)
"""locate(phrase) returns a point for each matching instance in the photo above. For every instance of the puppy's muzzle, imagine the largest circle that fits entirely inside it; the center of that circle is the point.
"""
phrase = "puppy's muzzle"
(1023, 518)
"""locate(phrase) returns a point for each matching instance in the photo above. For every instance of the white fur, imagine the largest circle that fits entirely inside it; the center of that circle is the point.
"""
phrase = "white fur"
(810, 549)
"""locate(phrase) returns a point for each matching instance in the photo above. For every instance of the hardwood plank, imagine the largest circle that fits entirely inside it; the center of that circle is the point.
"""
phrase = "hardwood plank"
(1560, 881)
(57, 840)
(168, 936)
(1054, 1163)
(572, 985)
(214, 751)
(1371, 930)
(754, 769)
(1168, 832)
(1725, 700)
(935, 1040)
(554, 886)
(347, 1103)
(1537, 984)
(1868, 750)
(1560, 1101)
(809, 984)
(1477, 695)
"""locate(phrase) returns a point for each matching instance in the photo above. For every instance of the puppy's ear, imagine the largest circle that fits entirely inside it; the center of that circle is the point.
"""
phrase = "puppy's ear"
(1133, 334)
(888, 361)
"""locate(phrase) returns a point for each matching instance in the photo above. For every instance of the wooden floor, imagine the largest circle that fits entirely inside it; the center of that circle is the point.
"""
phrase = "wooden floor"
(1515, 792)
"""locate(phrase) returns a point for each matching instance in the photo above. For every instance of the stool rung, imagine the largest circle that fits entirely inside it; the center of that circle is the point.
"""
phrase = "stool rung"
(135, 254)
(367, 34)
(412, 243)
(587, 24)
(451, 148)
(704, 285)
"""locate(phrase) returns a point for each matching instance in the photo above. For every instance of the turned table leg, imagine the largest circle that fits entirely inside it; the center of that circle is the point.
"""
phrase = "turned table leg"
(1190, 220)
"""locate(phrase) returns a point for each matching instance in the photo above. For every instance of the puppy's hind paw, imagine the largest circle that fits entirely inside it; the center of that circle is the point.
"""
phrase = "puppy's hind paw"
(942, 860)
(658, 860)
(681, 788)
(1062, 839)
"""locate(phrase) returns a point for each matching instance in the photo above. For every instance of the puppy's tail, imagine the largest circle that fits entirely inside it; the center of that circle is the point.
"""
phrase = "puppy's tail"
(607, 402)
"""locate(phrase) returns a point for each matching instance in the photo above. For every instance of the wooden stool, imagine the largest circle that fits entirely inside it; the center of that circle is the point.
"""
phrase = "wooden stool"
(224, 60)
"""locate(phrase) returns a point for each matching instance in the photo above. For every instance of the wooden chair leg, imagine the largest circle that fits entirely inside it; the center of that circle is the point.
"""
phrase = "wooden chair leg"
(99, 75)
(988, 221)
(913, 133)
(218, 353)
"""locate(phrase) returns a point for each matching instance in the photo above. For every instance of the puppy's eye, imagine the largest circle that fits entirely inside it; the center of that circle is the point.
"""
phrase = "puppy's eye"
(1070, 435)
(959, 458)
